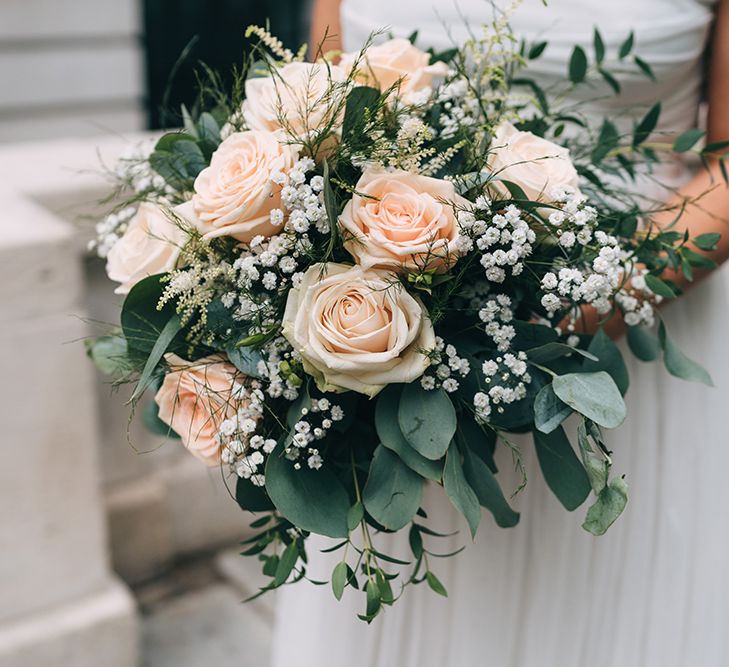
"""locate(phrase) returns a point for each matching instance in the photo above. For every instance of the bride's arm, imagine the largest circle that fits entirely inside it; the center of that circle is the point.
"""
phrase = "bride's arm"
(709, 211)
(325, 34)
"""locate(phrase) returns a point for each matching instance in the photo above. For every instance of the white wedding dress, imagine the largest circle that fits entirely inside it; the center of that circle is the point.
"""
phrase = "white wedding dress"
(652, 592)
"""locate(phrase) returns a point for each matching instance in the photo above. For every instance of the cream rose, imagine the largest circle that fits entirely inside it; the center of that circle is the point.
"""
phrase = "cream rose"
(402, 221)
(151, 245)
(536, 165)
(357, 329)
(299, 98)
(194, 399)
(396, 60)
(235, 195)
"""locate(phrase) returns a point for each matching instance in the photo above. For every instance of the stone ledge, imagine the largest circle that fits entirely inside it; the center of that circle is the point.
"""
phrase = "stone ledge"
(76, 634)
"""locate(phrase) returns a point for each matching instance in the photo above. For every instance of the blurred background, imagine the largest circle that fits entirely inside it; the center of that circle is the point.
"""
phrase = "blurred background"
(118, 549)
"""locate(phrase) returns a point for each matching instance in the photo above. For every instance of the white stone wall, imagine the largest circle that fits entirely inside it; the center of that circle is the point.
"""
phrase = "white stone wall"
(70, 68)
(78, 500)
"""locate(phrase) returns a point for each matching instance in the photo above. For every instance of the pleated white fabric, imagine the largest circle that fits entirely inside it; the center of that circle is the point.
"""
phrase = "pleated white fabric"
(654, 591)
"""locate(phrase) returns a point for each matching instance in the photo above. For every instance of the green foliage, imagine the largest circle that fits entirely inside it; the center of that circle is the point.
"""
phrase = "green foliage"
(594, 395)
(252, 498)
(608, 358)
(549, 411)
(487, 490)
(678, 364)
(427, 419)
(562, 470)
(458, 490)
(109, 354)
(607, 508)
(393, 491)
(313, 500)
(178, 158)
(687, 140)
(388, 430)
(646, 125)
(643, 343)
(578, 65)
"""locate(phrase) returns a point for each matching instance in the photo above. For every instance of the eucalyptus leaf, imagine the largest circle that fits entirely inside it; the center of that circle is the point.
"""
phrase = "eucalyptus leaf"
(458, 490)
(594, 395)
(359, 100)
(549, 411)
(647, 124)
(286, 564)
(597, 466)
(487, 489)
(252, 498)
(678, 364)
(707, 241)
(607, 508)
(643, 343)
(339, 579)
(608, 358)
(313, 500)
(427, 420)
(388, 430)
(110, 355)
(658, 286)
(393, 491)
(562, 470)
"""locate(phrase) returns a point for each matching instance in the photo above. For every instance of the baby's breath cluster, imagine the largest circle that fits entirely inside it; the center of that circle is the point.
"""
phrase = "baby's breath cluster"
(445, 368)
(507, 378)
(313, 426)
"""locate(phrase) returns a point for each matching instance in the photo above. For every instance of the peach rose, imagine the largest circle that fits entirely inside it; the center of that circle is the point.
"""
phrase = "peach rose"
(194, 399)
(357, 329)
(235, 195)
(536, 165)
(151, 245)
(297, 98)
(382, 66)
(400, 220)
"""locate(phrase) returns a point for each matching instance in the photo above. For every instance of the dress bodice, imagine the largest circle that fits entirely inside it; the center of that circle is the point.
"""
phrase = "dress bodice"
(670, 35)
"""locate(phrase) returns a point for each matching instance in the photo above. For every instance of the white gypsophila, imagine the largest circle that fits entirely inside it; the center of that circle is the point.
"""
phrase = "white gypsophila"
(444, 364)
(507, 378)
(496, 314)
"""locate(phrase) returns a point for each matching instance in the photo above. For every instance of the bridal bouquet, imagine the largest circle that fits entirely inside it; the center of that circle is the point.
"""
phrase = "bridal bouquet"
(347, 279)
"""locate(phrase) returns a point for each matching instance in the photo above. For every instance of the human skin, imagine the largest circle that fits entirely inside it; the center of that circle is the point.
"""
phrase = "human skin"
(704, 200)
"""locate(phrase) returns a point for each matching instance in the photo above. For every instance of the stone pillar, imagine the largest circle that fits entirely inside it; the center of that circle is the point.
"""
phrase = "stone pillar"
(60, 604)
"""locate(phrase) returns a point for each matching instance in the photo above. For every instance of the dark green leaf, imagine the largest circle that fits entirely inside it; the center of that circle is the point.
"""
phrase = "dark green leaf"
(427, 419)
(643, 344)
(339, 579)
(487, 489)
(355, 515)
(707, 241)
(358, 101)
(627, 46)
(435, 584)
(606, 142)
(459, 492)
(536, 50)
(609, 359)
(610, 80)
(549, 411)
(286, 564)
(594, 395)
(252, 498)
(658, 286)
(416, 541)
(561, 468)
(608, 507)
(388, 430)
(166, 336)
(578, 65)
(372, 591)
(313, 500)
(244, 359)
(678, 364)
(599, 46)
(687, 140)
(647, 125)
(393, 492)
(645, 67)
